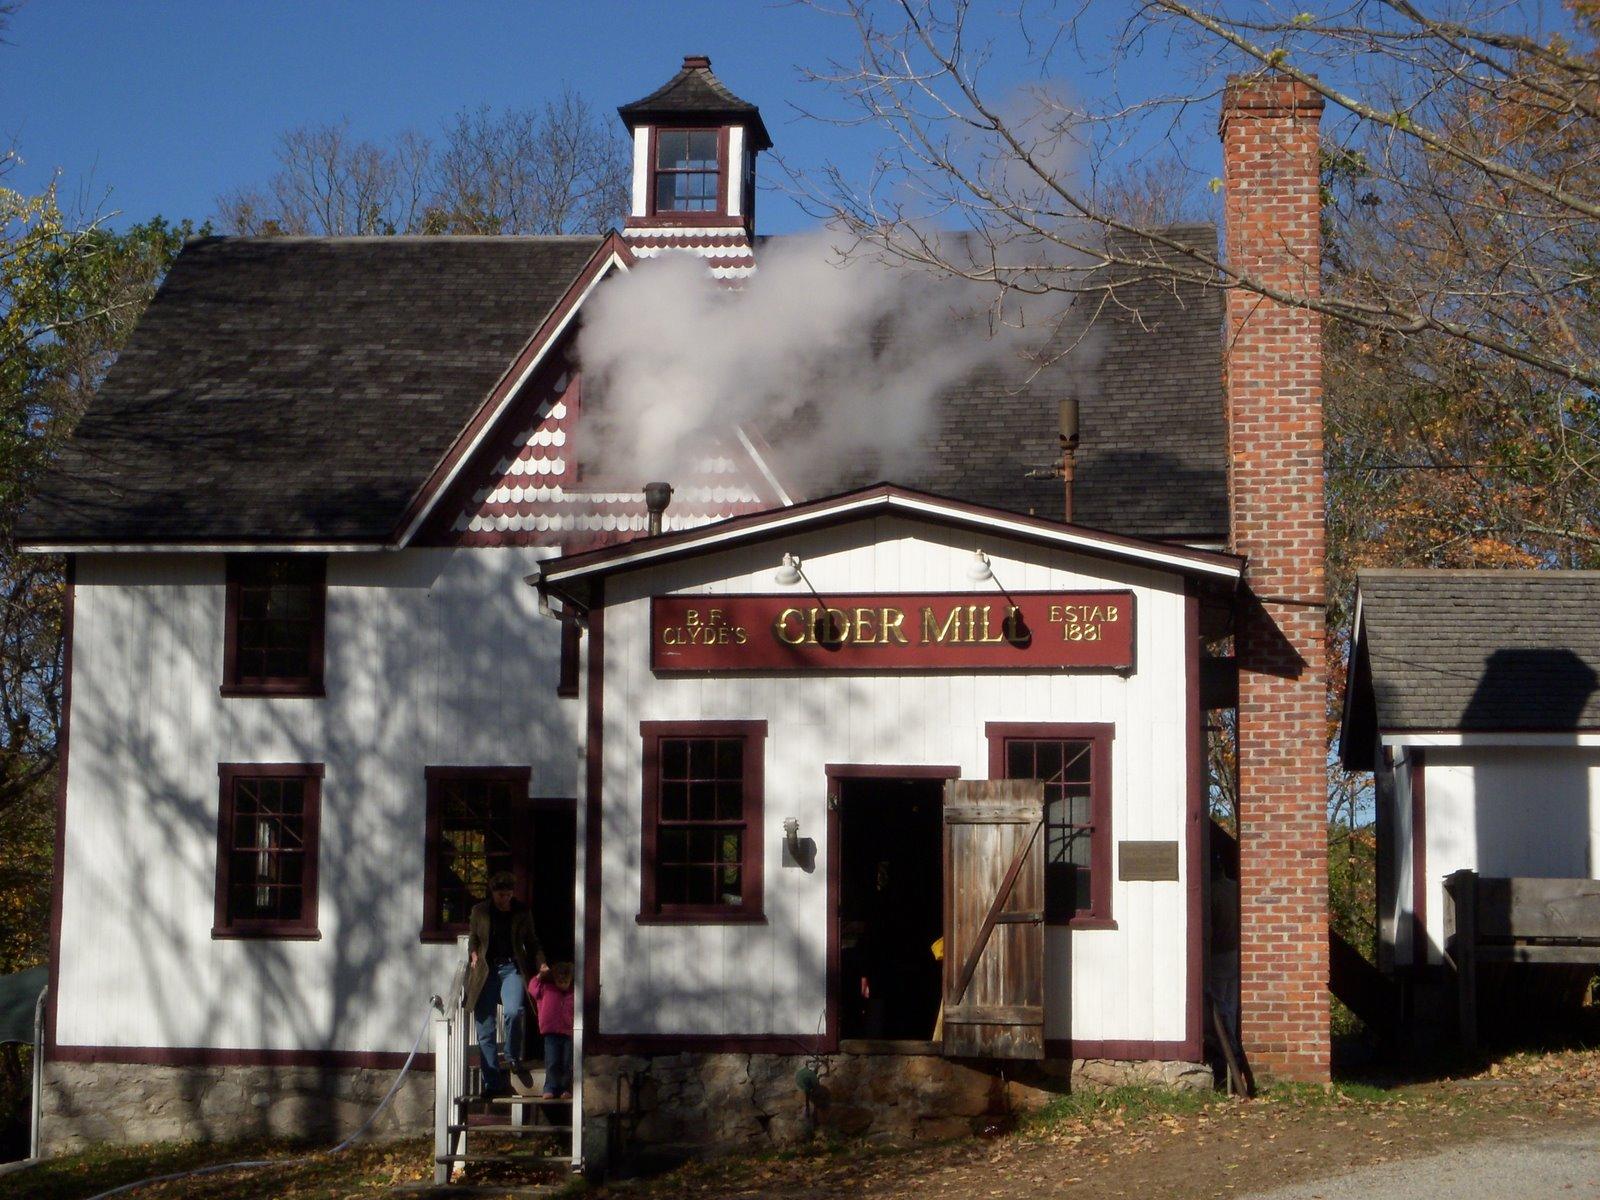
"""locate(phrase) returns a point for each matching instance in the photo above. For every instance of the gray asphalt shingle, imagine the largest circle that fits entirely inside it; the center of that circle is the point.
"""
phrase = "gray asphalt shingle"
(298, 388)
(1483, 650)
(304, 389)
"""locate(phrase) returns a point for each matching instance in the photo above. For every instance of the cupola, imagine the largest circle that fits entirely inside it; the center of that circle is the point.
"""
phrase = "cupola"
(694, 152)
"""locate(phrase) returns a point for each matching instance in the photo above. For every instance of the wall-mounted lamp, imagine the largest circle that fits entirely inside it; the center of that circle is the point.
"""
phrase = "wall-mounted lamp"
(791, 837)
(789, 573)
(979, 569)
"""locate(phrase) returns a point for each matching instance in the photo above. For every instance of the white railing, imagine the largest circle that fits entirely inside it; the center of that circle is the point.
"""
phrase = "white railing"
(454, 1035)
(451, 1031)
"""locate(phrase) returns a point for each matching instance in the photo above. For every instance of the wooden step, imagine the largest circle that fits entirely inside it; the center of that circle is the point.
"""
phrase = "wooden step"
(473, 1098)
(508, 1157)
(546, 1129)
(451, 1191)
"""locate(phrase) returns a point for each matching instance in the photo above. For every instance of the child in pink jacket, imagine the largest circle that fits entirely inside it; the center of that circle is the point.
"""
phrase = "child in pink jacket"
(551, 991)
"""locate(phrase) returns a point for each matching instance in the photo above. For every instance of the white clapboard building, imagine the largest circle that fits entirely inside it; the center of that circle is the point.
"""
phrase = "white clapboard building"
(352, 626)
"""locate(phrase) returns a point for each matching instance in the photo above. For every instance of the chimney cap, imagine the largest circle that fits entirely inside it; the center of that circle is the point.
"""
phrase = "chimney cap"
(697, 62)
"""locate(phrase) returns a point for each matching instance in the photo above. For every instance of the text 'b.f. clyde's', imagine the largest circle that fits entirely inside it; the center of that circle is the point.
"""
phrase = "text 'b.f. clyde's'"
(1020, 631)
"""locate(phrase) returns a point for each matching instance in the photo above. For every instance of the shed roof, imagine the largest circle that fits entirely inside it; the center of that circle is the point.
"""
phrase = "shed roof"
(1472, 651)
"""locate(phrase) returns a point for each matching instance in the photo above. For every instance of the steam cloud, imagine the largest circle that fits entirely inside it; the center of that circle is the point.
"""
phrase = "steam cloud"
(838, 363)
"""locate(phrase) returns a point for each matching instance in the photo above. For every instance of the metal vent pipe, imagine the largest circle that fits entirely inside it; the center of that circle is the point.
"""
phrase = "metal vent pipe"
(656, 498)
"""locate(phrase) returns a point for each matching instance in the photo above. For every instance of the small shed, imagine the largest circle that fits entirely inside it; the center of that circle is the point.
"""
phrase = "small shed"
(1474, 698)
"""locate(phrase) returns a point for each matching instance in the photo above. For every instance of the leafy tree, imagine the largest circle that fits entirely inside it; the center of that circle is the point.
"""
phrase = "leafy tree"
(69, 295)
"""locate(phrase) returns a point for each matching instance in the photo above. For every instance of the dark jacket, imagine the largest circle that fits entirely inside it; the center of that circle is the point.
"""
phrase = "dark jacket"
(524, 946)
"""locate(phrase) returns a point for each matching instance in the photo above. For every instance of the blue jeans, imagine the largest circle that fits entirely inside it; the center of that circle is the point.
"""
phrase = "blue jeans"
(558, 1062)
(504, 986)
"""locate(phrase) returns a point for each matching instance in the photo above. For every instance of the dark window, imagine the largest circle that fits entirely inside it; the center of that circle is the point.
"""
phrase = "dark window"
(275, 618)
(478, 824)
(1074, 764)
(702, 820)
(267, 850)
(687, 174)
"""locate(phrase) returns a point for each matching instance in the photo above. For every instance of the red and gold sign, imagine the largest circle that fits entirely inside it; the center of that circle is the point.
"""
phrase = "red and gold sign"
(1020, 631)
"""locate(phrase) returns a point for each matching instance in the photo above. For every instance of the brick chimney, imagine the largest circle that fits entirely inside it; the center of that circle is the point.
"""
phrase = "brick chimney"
(1274, 393)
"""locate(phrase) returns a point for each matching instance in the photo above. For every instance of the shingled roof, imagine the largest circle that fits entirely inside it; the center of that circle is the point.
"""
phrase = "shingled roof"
(693, 91)
(297, 388)
(303, 390)
(1152, 456)
(1485, 651)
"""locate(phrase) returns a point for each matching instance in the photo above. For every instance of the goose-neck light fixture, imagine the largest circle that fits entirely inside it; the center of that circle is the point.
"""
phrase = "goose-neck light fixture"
(789, 573)
(979, 569)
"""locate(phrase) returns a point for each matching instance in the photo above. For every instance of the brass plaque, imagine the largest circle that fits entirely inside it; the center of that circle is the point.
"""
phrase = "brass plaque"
(1147, 860)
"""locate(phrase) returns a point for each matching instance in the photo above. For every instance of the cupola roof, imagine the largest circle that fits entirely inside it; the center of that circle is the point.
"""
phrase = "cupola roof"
(695, 91)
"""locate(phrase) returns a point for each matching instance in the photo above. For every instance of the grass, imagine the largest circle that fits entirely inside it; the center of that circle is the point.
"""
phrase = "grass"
(1130, 1103)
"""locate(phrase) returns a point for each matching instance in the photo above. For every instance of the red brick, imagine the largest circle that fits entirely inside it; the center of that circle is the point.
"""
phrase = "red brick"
(1274, 368)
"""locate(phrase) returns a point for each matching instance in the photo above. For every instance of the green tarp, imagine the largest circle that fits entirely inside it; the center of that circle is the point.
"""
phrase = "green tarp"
(18, 995)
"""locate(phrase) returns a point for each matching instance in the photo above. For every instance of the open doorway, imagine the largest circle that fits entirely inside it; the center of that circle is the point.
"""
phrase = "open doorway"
(888, 902)
(553, 863)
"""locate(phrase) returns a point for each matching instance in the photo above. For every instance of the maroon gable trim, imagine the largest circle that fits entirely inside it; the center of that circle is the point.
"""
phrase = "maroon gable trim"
(430, 491)
(681, 543)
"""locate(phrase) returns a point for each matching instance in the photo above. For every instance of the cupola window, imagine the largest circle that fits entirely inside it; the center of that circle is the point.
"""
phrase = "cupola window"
(688, 174)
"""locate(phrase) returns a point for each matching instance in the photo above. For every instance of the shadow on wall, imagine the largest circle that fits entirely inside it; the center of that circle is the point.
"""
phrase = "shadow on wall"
(1532, 805)
(432, 659)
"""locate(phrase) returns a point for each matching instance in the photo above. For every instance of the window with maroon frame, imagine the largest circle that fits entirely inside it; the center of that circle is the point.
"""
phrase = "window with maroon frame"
(688, 171)
(1074, 764)
(276, 613)
(478, 825)
(267, 826)
(702, 821)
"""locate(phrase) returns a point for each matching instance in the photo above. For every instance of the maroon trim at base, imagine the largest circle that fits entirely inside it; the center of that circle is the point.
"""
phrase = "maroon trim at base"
(1195, 832)
(63, 744)
(202, 1056)
(1120, 1051)
(691, 1043)
(594, 775)
(829, 1041)
(1419, 857)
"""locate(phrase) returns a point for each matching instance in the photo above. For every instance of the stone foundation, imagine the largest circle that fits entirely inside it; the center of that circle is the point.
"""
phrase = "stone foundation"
(95, 1103)
(677, 1105)
(689, 1104)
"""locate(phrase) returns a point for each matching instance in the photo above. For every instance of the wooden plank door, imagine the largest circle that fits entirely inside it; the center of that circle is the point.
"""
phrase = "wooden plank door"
(994, 918)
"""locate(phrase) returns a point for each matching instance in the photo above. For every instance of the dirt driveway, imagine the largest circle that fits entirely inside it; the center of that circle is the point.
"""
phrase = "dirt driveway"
(1153, 1149)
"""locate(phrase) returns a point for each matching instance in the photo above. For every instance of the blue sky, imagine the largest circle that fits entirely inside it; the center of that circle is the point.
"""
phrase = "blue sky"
(160, 106)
